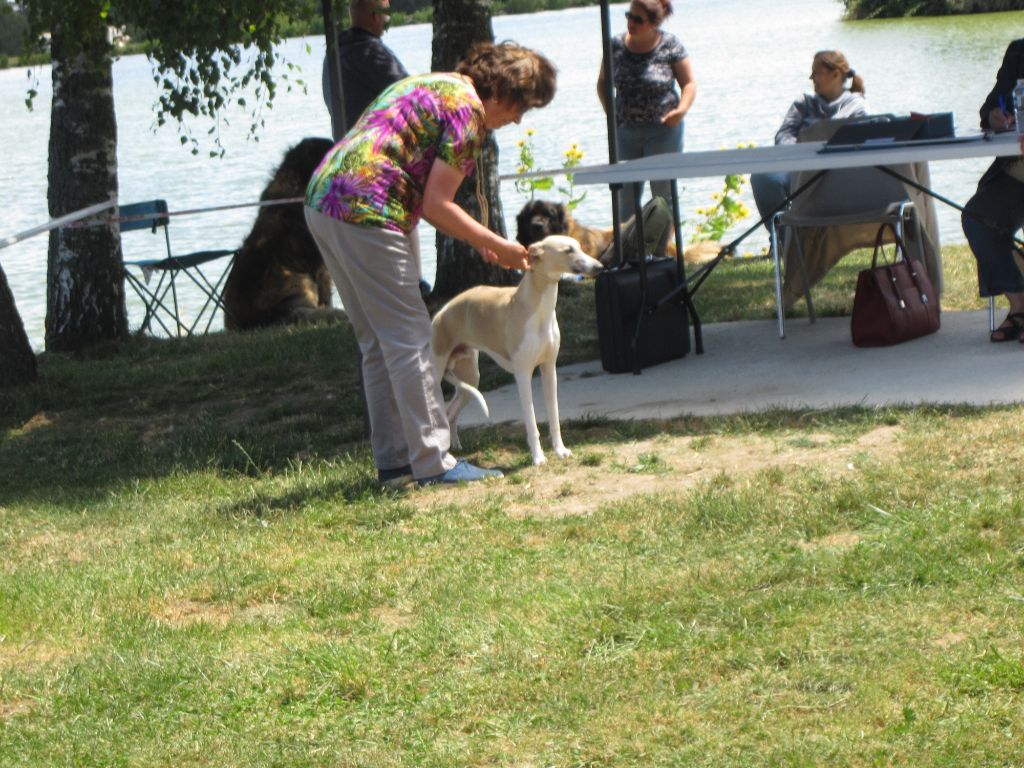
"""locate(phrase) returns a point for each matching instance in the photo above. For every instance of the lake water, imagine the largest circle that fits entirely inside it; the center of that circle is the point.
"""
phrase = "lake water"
(751, 58)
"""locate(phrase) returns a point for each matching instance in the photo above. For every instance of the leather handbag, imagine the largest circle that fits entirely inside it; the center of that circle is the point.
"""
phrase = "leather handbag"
(893, 302)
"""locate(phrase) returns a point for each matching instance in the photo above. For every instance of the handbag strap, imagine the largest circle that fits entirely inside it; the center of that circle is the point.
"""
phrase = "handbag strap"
(901, 249)
(890, 268)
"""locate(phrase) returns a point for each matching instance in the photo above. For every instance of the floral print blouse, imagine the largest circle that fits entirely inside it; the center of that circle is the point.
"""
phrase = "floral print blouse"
(376, 174)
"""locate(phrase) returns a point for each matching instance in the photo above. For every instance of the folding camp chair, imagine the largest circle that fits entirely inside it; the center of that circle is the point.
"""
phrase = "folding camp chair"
(161, 299)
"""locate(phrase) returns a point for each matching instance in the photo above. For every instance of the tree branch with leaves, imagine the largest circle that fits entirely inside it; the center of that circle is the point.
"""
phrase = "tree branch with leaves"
(207, 56)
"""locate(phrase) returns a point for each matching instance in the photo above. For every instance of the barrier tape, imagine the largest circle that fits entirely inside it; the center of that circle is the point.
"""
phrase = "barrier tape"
(87, 217)
(69, 219)
(103, 220)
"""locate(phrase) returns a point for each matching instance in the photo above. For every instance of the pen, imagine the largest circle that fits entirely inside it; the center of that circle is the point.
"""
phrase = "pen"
(1002, 104)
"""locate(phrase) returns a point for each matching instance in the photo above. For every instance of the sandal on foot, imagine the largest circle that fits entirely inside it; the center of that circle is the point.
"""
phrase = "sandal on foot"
(1011, 329)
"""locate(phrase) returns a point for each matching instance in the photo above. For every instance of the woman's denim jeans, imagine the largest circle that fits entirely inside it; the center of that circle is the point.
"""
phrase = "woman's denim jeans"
(770, 191)
(1000, 201)
(643, 141)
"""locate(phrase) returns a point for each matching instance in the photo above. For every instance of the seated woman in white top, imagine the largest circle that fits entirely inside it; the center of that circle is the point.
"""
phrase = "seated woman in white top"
(830, 100)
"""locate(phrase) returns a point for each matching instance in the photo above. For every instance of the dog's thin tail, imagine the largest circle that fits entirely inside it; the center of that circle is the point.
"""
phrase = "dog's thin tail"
(469, 389)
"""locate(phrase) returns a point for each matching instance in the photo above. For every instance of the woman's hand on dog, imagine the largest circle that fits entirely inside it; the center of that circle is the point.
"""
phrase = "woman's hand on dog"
(508, 255)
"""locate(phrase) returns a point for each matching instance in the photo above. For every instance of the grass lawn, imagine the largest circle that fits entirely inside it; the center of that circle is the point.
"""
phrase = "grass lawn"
(197, 568)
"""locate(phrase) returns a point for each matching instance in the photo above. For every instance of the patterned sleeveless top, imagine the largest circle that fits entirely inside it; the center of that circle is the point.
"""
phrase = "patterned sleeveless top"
(644, 82)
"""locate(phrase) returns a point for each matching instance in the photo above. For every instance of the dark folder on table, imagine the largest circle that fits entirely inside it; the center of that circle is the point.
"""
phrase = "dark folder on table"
(893, 132)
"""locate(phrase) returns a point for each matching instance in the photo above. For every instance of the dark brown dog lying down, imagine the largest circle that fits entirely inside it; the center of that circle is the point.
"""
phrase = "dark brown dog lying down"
(278, 275)
(540, 218)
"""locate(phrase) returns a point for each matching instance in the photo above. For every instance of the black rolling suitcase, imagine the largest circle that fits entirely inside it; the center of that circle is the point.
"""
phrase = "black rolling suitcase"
(638, 328)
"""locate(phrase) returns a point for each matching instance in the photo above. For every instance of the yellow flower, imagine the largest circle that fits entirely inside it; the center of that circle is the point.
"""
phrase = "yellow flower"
(530, 131)
(520, 143)
(744, 211)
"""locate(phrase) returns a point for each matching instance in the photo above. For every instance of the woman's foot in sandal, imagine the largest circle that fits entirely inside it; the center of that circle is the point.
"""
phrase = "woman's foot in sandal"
(1012, 328)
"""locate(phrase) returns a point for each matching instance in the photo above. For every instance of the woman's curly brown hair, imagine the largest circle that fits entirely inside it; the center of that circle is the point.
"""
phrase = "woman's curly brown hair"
(510, 73)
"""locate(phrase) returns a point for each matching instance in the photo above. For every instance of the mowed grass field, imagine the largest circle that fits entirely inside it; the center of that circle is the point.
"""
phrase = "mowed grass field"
(197, 568)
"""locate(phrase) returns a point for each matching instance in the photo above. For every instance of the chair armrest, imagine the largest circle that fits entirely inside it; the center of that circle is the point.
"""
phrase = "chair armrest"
(185, 261)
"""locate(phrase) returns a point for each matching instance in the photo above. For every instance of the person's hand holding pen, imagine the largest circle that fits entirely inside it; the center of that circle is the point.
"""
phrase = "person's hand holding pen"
(1000, 119)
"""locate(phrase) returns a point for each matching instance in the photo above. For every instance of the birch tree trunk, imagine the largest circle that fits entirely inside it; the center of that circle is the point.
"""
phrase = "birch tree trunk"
(85, 300)
(17, 361)
(457, 25)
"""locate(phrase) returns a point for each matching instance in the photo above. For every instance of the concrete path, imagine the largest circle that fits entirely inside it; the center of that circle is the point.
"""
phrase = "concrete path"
(746, 367)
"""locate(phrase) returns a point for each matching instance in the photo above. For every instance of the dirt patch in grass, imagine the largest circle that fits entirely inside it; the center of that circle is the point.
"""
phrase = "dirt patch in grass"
(392, 619)
(263, 612)
(11, 709)
(25, 657)
(186, 612)
(950, 638)
(51, 548)
(604, 474)
(835, 541)
(182, 612)
(38, 421)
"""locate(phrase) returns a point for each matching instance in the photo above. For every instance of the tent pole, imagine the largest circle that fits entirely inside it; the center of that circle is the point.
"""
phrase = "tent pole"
(613, 143)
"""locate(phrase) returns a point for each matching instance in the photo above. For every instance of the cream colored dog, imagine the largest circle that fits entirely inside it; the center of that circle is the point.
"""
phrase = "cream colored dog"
(518, 329)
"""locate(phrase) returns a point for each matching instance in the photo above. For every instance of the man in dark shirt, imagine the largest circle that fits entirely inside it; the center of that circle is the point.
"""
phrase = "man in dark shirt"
(367, 65)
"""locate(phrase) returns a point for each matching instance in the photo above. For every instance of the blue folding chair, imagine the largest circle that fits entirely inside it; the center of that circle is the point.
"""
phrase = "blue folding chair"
(161, 301)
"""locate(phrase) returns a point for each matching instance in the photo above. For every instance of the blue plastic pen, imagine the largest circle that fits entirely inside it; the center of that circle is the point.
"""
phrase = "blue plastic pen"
(1002, 104)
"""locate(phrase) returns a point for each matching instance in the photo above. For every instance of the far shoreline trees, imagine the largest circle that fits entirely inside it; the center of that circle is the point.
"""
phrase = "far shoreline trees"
(889, 9)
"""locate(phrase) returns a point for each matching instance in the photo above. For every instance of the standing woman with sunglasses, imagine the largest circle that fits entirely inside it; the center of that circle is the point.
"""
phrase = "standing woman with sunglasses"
(647, 63)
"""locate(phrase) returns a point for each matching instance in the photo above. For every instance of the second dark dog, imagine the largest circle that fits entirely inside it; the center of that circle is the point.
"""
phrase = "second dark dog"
(539, 218)
(279, 275)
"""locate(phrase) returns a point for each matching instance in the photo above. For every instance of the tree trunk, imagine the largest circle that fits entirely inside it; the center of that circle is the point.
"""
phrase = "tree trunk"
(85, 300)
(17, 361)
(457, 25)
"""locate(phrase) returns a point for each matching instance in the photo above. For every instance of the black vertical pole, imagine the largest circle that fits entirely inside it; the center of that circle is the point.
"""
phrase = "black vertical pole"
(336, 95)
(613, 141)
(337, 99)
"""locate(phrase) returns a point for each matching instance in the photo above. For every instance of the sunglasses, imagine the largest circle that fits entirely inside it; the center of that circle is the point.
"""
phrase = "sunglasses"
(635, 18)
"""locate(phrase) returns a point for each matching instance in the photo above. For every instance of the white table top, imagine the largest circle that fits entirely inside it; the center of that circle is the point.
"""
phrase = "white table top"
(792, 157)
